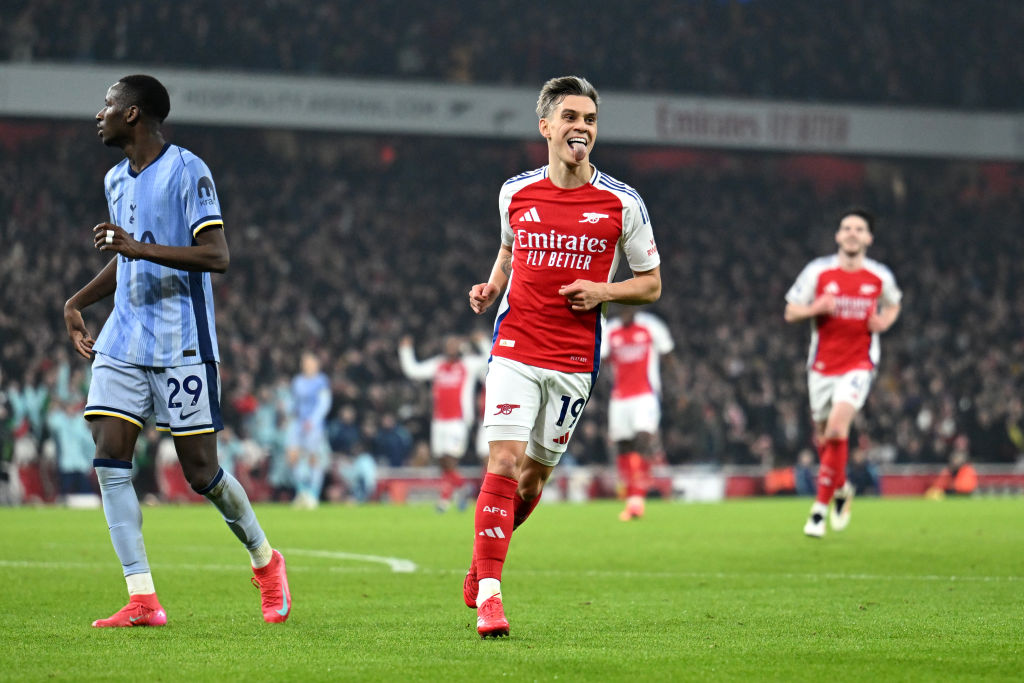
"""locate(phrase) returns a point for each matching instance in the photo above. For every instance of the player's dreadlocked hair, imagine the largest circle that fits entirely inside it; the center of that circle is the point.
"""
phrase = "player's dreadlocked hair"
(555, 90)
(148, 94)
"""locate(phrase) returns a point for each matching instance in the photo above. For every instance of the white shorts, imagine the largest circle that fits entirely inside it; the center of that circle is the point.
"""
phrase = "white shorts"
(827, 390)
(628, 417)
(539, 406)
(448, 437)
(185, 399)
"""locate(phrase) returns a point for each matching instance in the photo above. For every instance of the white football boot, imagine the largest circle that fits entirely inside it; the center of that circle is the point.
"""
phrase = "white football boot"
(839, 516)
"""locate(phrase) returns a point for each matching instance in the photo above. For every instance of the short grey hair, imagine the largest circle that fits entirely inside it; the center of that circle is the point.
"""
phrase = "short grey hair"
(556, 89)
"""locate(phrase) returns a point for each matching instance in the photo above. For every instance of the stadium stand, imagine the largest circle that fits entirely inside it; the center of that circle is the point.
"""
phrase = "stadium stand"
(339, 244)
(899, 52)
(889, 52)
(371, 254)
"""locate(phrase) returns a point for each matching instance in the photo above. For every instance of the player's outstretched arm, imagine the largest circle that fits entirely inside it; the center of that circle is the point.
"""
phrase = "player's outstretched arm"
(100, 287)
(411, 367)
(482, 295)
(210, 253)
(642, 288)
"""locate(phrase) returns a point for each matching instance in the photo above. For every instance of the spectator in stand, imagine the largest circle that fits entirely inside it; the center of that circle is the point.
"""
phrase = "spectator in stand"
(343, 431)
(895, 52)
(75, 448)
(392, 442)
(805, 473)
(862, 473)
(959, 478)
(360, 474)
(956, 348)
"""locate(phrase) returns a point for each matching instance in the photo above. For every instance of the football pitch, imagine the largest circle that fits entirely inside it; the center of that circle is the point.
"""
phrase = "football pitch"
(912, 590)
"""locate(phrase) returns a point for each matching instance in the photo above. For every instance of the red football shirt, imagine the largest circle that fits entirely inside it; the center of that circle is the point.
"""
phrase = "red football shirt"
(453, 381)
(635, 352)
(841, 342)
(558, 236)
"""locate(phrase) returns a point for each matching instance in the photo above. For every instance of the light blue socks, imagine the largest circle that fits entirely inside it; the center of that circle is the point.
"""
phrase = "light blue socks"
(124, 516)
(230, 498)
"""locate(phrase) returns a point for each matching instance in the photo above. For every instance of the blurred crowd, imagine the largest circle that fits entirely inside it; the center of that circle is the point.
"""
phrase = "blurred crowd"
(342, 244)
(959, 54)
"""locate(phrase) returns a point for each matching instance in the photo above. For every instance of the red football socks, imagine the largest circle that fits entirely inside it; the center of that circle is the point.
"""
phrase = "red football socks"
(451, 481)
(495, 512)
(832, 472)
(522, 510)
(840, 454)
(634, 471)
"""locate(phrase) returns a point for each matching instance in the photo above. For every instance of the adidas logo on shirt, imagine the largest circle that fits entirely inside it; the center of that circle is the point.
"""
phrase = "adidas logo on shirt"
(530, 216)
(563, 439)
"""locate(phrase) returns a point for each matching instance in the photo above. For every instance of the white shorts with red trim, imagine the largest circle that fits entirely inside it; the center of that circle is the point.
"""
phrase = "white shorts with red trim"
(448, 437)
(825, 391)
(628, 417)
(539, 406)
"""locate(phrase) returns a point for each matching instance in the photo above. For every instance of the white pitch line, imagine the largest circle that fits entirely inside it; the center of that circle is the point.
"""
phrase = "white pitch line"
(829, 576)
(397, 564)
(187, 566)
(405, 566)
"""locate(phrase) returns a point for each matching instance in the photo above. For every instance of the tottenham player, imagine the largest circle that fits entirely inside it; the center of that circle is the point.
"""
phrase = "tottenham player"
(453, 376)
(308, 450)
(157, 353)
(563, 229)
(849, 300)
(634, 343)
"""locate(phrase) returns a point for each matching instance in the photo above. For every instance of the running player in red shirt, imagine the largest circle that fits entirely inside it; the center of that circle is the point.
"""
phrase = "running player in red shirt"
(454, 376)
(849, 300)
(563, 229)
(634, 343)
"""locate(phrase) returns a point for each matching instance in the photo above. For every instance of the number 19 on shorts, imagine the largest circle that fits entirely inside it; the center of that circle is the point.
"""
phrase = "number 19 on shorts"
(570, 407)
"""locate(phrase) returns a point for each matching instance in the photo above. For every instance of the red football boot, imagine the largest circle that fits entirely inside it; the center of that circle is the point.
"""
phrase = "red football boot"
(141, 610)
(470, 586)
(490, 618)
(272, 581)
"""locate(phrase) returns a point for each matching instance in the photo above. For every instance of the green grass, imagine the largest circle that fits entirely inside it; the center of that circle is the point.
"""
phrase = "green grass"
(913, 590)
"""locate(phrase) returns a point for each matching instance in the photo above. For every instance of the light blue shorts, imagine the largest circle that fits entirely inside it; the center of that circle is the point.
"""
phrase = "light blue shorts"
(185, 399)
(312, 442)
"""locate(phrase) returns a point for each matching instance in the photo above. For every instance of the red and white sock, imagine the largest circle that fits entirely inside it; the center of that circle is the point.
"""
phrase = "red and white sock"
(495, 512)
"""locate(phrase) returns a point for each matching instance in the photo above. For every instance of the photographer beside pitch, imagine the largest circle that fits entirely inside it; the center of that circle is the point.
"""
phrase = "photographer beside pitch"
(157, 353)
(849, 300)
(564, 227)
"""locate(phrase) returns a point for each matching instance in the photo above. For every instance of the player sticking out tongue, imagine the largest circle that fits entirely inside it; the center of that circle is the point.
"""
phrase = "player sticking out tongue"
(579, 147)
